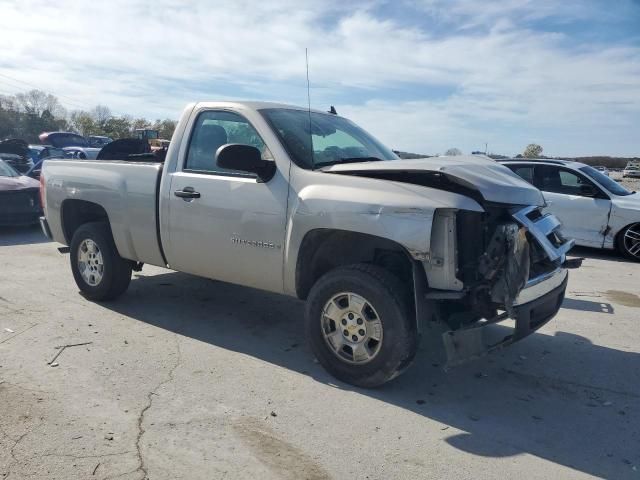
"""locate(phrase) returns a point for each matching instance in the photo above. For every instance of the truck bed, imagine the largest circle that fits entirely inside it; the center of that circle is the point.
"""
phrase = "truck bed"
(128, 192)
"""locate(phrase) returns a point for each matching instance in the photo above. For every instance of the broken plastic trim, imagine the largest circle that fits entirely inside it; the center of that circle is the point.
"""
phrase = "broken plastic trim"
(474, 342)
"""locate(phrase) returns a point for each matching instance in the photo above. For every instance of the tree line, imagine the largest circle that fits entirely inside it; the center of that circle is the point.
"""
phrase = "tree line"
(533, 150)
(27, 115)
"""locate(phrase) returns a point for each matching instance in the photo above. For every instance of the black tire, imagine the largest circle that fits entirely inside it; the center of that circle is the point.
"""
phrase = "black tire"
(116, 271)
(392, 302)
(624, 243)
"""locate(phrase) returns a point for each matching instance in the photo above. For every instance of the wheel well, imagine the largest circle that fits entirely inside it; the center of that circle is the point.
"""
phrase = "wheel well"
(78, 212)
(323, 250)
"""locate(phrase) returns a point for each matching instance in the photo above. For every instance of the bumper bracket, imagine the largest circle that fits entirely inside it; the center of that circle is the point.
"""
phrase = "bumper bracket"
(474, 342)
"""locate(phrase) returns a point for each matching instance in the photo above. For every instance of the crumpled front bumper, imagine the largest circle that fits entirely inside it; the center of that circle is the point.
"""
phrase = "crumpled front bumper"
(535, 306)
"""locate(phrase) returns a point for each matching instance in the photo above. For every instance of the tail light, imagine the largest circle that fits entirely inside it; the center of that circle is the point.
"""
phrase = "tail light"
(42, 183)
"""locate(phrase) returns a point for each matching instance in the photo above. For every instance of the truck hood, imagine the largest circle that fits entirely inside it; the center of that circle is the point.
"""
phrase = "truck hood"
(492, 181)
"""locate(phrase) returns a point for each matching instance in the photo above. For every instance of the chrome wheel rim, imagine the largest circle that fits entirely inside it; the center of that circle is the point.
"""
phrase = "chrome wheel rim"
(352, 328)
(90, 262)
(632, 240)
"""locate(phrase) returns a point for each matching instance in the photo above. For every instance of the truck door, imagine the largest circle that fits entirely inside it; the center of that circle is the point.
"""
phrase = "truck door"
(578, 203)
(224, 224)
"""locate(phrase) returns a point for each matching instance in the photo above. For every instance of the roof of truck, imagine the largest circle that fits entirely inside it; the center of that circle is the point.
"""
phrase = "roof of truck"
(255, 105)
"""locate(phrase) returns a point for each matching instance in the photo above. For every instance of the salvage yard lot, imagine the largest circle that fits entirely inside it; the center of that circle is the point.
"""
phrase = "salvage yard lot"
(191, 378)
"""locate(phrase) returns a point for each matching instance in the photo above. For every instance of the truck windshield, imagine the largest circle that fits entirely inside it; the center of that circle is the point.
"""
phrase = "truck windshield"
(605, 181)
(314, 140)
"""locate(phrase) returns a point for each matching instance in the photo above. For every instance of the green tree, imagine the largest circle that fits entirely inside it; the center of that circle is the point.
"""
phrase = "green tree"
(139, 123)
(9, 117)
(101, 115)
(36, 102)
(532, 151)
(26, 115)
(165, 128)
(118, 127)
(83, 123)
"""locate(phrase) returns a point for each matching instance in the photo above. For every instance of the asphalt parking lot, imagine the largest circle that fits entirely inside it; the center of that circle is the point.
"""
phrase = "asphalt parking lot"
(190, 378)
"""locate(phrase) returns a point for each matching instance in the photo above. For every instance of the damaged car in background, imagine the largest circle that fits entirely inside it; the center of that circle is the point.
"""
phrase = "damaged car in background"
(16, 154)
(19, 198)
(308, 204)
(595, 210)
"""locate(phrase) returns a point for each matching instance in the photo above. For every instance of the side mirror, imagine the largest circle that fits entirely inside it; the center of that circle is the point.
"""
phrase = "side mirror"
(235, 156)
(588, 191)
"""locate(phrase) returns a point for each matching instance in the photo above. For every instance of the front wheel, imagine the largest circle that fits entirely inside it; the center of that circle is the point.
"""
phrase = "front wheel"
(98, 269)
(629, 242)
(360, 325)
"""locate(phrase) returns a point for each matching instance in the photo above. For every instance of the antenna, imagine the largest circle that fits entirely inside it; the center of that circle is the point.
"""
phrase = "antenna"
(306, 57)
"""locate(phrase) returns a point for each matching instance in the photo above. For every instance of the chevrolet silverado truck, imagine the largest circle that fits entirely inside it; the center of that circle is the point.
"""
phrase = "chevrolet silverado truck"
(307, 204)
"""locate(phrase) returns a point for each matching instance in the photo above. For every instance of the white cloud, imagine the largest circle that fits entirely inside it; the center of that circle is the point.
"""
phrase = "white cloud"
(505, 81)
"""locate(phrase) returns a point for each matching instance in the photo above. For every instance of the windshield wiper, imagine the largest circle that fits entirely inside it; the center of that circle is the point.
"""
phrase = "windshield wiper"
(349, 160)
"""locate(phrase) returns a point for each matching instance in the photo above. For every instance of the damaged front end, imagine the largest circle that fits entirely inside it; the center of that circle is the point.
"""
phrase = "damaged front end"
(503, 263)
(513, 270)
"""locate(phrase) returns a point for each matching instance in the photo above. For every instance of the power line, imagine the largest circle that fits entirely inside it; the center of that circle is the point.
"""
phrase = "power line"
(64, 103)
(69, 100)
(70, 104)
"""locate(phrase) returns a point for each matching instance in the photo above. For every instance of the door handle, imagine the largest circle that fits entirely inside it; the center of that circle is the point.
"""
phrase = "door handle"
(187, 192)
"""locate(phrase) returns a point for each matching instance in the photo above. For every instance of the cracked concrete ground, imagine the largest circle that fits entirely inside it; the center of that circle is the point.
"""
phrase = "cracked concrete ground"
(195, 379)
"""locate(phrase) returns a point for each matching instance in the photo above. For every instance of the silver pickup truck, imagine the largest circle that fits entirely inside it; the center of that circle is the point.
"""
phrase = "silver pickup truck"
(306, 203)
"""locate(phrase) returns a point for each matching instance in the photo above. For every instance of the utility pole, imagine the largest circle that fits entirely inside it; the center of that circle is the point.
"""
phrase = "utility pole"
(486, 147)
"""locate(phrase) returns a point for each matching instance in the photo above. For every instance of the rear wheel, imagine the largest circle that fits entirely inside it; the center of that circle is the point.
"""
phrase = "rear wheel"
(99, 272)
(629, 242)
(360, 325)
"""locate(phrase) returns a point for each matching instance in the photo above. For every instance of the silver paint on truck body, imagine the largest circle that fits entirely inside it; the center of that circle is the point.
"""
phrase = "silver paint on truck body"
(196, 235)
(126, 191)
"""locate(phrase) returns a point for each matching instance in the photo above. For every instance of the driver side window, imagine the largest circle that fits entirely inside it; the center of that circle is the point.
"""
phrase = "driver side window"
(558, 180)
(213, 129)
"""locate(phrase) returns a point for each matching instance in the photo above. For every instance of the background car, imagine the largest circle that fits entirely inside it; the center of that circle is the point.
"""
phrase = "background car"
(19, 197)
(594, 209)
(75, 146)
(16, 153)
(631, 171)
(98, 141)
(76, 152)
(40, 152)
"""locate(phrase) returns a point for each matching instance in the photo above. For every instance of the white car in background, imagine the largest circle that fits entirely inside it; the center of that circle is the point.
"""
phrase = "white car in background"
(631, 171)
(594, 209)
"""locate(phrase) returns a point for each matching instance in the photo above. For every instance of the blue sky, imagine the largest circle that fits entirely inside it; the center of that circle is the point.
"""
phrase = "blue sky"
(422, 75)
